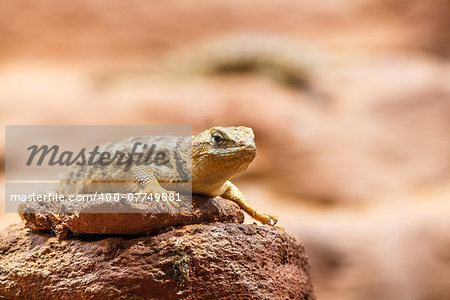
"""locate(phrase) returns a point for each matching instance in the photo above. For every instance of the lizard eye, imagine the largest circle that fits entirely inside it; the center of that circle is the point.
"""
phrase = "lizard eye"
(218, 138)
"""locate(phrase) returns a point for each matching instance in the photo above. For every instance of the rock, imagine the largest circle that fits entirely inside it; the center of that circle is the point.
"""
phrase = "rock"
(204, 210)
(202, 261)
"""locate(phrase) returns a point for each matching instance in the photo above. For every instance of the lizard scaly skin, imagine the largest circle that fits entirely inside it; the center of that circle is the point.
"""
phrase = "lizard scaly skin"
(214, 156)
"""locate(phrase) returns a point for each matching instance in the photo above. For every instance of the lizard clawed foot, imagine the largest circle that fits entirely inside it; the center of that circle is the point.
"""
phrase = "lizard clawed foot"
(172, 205)
(163, 201)
(265, 218)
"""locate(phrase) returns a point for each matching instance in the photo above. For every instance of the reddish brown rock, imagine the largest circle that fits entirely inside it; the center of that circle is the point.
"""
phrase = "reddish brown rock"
(226, 261)
(204, 210)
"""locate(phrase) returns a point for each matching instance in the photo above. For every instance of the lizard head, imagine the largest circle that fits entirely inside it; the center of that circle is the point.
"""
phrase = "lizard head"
(221, 152)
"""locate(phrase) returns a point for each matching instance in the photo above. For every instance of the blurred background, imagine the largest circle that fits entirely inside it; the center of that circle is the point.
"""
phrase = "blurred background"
(349, 101)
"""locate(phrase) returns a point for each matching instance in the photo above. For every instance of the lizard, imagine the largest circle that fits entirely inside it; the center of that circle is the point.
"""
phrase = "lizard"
(207, 160)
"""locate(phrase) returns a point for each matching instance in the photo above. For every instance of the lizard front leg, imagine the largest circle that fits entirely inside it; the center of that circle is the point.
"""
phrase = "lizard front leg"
(233, 193)
(145, 178)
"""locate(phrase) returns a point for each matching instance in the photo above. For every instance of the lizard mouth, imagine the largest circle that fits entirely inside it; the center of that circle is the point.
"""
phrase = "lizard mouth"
(245, 146)
(245, 150)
